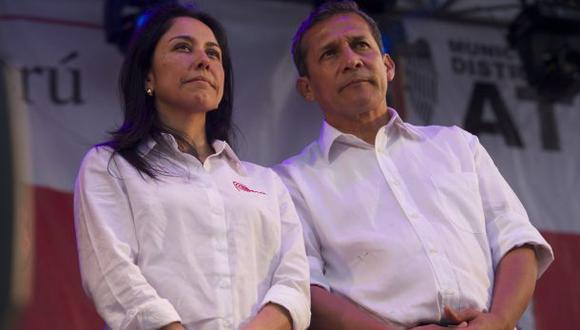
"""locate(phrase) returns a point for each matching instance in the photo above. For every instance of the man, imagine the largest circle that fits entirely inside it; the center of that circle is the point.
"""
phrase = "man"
(404, 226)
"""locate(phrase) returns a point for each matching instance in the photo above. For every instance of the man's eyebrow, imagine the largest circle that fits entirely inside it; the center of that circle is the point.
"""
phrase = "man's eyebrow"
(356, 38)
(329, 46)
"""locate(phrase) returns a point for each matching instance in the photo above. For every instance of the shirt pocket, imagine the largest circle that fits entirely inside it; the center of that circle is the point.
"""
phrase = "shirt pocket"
(459, 200)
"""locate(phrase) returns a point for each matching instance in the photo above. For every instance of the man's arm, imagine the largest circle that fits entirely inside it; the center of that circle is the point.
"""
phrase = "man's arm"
(515, 281)
(330, 311)
(173, 326)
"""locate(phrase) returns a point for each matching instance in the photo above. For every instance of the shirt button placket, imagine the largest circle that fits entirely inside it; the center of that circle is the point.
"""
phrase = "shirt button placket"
(222, 271)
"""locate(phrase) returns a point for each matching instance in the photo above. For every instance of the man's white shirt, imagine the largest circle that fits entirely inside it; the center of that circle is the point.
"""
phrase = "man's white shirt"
(405, 227)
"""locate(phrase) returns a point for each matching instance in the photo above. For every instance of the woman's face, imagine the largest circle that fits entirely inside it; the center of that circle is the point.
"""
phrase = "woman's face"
(187, 72)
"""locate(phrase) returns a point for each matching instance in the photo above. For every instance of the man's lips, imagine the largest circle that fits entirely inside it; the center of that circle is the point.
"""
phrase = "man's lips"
(354, 82)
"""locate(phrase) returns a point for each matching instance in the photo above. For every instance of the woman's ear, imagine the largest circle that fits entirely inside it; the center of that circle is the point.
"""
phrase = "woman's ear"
(150, 81)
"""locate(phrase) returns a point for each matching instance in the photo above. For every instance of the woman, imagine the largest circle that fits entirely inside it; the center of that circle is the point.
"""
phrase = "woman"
(173, 230)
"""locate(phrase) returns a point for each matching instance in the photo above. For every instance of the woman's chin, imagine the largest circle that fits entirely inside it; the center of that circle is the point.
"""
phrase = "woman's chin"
(203, 103)
(201, 106)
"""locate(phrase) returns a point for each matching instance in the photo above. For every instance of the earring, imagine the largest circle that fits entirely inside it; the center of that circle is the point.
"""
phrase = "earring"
(149, 91)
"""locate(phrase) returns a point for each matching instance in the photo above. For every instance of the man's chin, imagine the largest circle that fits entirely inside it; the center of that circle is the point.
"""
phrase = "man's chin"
(364, 102)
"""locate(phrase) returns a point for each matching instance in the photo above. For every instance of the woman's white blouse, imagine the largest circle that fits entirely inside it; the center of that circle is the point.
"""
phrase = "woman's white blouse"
(206, 244)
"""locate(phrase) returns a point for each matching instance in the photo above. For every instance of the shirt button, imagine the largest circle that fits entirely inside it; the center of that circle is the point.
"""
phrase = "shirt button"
(221, 247)
(449, 292)
(224, 284)
(433, 251)
(413, 215)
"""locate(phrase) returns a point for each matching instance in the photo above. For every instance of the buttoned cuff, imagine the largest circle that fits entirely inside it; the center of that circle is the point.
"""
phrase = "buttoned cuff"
(517, 233)
(295, 302)
(153, 315)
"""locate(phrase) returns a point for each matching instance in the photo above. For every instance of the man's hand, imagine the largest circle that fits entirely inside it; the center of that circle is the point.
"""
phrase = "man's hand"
(453, 317)
(475, 319)
(429, 327)
(334, 312)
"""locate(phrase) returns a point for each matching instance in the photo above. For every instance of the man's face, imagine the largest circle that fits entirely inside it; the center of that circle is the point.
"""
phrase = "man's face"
(347, 75)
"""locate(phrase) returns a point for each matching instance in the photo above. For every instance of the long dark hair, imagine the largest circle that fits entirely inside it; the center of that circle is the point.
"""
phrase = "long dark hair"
(141, 120)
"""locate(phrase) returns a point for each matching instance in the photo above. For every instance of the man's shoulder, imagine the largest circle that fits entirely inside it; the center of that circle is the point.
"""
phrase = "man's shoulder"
(309, 156)
(452, 138)
(432, 131)
(308, 159)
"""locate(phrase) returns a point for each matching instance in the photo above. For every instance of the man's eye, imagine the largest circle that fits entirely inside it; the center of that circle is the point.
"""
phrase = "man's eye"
(362, 45)
(327, 54)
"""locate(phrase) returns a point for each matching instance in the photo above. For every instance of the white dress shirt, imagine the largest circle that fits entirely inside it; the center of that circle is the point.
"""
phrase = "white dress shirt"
(207, 244)
(405, 227)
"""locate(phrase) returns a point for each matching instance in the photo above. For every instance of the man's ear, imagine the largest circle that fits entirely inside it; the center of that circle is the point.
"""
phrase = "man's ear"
(390, 66)
(304, 88)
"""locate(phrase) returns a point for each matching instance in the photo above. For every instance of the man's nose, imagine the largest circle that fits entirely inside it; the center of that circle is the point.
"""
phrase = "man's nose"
(352, 59)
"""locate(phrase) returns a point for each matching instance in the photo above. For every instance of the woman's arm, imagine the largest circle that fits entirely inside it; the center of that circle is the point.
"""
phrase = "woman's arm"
(271, 317)
(108, 246)
(289, 294)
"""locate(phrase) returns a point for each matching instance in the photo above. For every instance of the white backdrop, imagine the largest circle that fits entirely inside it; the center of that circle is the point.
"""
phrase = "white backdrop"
(448, 71)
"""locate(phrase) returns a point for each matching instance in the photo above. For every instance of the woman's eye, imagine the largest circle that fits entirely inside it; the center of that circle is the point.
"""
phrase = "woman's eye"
(213, 53)
(183, 47)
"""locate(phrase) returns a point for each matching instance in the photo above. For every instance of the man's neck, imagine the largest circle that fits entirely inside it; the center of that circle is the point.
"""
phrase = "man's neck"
(364, 126)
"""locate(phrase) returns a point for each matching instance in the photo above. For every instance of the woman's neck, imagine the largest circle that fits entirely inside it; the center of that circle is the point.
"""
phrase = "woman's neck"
(191, 128)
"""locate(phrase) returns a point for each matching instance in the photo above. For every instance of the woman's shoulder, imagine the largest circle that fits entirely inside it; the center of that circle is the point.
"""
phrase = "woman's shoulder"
(262, 173)
(98, 159)
(98, 153)
(254, 169)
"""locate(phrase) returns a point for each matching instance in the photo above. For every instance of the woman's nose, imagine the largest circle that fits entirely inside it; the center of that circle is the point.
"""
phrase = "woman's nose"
(201, 60)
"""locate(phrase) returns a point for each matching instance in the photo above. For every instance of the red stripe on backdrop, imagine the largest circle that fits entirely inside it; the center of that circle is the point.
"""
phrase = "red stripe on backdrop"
(48, 20)
(58, 301)
(557, 297)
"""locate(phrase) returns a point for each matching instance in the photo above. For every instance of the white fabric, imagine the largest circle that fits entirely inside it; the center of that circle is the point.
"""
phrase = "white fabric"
(207, 245)
(405, 227)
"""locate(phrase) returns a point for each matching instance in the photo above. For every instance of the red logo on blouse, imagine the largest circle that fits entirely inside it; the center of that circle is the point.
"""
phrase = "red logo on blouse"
(243, 187)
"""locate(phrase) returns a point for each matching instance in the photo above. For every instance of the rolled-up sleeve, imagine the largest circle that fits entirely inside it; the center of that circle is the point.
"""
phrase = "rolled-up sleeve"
(311, 242)
(290, 286)
(507, 222)
(107, 248)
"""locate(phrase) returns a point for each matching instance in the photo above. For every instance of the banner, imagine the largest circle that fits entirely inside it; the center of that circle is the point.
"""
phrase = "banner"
(448, 75)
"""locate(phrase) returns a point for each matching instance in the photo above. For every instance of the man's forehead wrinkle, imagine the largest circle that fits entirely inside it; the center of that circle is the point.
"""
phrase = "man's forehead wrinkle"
(323, 45)
(349, 31)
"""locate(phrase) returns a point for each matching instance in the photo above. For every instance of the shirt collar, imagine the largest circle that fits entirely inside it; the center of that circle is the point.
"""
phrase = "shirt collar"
(220, 147)
(329, 134)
